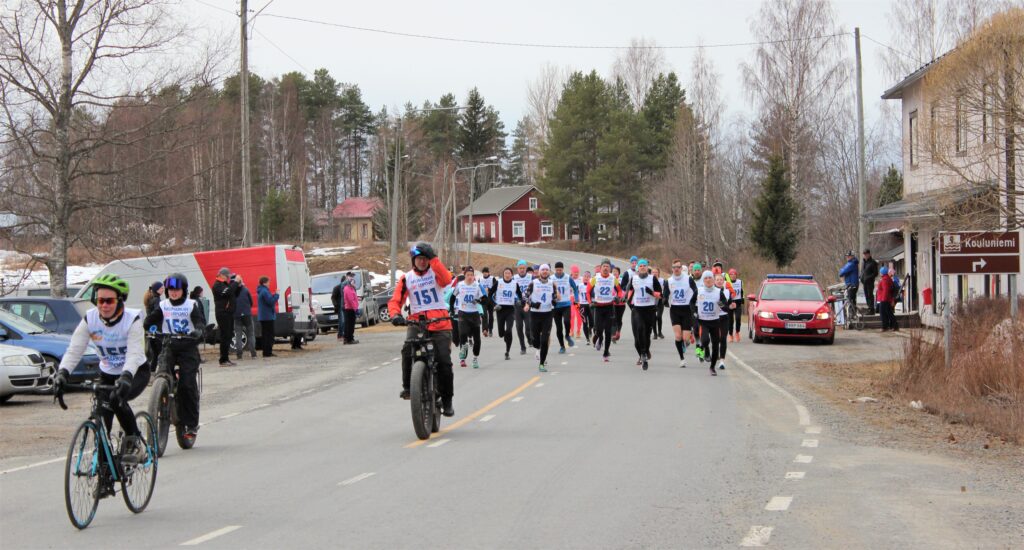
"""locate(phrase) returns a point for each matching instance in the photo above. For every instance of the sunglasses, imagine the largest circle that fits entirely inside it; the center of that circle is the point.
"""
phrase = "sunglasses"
(173, 283)
(106, 301)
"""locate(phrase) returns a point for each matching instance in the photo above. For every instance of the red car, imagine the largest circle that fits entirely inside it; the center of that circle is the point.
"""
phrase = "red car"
(791, 306)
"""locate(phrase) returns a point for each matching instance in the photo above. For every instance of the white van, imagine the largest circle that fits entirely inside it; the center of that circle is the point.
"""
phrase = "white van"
(285, 265)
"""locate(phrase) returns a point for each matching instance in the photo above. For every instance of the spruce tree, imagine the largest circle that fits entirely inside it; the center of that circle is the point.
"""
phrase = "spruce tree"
(775, 228)
(892, 187)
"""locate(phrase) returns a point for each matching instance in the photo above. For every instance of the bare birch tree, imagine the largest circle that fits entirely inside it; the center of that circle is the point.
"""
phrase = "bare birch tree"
(637, 66)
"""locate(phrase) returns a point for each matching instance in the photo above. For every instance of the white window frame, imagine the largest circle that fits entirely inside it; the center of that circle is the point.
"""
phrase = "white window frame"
(914, 130)
(547, 229)
(494, 230)
(533, 203)
(519, 230)
(602, 228)
(475, 225)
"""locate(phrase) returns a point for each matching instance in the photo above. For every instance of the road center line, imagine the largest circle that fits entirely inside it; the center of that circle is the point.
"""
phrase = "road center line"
(462, 422)
(795, 475)
(518, 399)
(487, 418)
(801, 411)
(778, 504)
(212, 535)
(813, 430)
(229, 415)
(803, 459)
(357, 479)
(758, 536)
(33, 465)
(539, 385)
(812, 443)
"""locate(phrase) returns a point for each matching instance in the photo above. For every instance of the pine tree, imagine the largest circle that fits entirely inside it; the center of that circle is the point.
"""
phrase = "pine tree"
(775, 228)
(892, 187)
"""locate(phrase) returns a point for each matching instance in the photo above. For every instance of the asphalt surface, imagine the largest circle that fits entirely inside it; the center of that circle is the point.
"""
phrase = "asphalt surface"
(588, 455)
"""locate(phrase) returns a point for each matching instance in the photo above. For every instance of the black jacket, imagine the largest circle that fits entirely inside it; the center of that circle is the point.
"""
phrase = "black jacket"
(870, 270)
(224, 296)
(338, 296)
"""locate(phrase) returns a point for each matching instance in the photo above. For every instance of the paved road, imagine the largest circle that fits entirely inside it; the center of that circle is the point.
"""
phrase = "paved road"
(589, 455)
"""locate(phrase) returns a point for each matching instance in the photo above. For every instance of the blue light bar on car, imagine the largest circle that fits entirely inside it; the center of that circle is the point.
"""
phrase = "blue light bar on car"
(784, 276)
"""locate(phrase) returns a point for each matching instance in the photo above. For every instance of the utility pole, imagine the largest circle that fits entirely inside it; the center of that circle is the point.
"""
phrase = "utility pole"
(247, 235)
(394, 202)
(862, 185)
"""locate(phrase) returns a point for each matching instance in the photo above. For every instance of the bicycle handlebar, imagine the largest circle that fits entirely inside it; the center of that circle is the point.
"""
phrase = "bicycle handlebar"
(92, 385)
(171, 336)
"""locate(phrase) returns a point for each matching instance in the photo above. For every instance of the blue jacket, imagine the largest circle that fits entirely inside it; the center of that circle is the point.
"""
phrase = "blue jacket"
(243, 304)
(267, 304)
(849, 272)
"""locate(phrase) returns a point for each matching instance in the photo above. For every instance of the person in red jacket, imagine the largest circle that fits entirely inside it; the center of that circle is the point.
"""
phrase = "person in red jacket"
(886, 297)
(350, 303)
(424, 287)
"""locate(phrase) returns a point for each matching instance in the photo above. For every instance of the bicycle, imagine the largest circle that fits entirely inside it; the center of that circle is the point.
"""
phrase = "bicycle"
(852, 315)
(92, 467)
(424, 398)
(162, 407)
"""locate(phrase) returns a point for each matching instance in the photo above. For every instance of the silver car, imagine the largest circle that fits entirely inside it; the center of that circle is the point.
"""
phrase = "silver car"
(21, 371)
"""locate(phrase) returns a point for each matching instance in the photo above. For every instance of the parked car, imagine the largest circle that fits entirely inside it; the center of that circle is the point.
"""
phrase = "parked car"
(791, 306)
(285, 265)
(21, 371)
(381, 299)
(323, 285)
(60, 315)
(21, 332)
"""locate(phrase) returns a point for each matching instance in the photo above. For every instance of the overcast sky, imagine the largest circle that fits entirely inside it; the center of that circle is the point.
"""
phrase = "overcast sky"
(391, 70)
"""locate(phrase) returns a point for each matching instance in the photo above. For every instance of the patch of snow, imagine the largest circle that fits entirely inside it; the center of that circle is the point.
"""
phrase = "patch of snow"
(77, 275)
(335, 251)
(376, 279)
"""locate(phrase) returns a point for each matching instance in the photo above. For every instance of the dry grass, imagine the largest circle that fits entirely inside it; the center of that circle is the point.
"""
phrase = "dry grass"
(985, 386)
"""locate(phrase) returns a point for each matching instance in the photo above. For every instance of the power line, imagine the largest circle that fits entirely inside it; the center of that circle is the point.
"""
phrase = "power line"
(284, 53)
(891, 48)
(542, 45)
(216, 7)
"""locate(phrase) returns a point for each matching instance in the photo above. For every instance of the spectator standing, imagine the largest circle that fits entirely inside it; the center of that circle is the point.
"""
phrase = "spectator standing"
(849, 274)
(225, 294)
(351, 304)
(266, 314)
(338, 300)
(868, 274)
(151, 299)
(887, 301)
(244, 322)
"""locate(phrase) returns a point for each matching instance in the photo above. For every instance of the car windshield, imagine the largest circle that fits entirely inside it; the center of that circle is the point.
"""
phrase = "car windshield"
(791, 291)
(324, 284)
(20, 324)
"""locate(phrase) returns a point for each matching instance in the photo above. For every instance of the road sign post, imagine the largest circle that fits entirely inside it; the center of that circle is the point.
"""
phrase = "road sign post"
(977, 253)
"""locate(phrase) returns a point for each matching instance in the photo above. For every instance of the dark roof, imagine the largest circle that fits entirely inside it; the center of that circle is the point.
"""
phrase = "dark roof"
(496, 200)
(929, 204)
(896, 92)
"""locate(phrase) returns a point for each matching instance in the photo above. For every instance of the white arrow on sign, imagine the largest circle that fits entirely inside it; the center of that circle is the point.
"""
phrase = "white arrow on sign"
(980, 263)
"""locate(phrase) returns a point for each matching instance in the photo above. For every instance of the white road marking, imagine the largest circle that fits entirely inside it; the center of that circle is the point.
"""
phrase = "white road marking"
(517, 399)
(758, 536)
(374, 368)
(229, 415)
(803, 459)
(395, 358)
(357, 479)
(439, 442)
(809, 443)
(801, 411)
(572, 355)
(311, 390)
(362, 372)
(260, 406)
(538, 384)
(795, 475)
(565, 362)
(212, 535)
(33, 465)
(813, 430)
(348, 377)
(487, 418)
(778, 504)
(553, 373)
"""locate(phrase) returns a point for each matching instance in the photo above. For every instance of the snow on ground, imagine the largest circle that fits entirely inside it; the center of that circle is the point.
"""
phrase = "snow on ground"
(77, 275)
(376, 279)
(335, 251)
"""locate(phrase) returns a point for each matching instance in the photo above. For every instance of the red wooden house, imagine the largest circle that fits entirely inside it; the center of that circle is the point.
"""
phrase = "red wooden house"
(509, 215)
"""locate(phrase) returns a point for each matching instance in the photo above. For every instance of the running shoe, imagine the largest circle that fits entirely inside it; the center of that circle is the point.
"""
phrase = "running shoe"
(542, 368)
(639, 360)
(476, 363)
(606, 358)
(462, 363)
(682, 363)
(644, 364)
(522, 351)
(572, 343)
(561, 350)
(721, 366)
(463, 352)
(404, 394)
(536, 355)
(507, 358)
(713, 371)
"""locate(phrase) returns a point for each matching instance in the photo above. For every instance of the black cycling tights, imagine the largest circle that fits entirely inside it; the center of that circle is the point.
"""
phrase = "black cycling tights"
(711, 333)
(540, 322)
(506, 319)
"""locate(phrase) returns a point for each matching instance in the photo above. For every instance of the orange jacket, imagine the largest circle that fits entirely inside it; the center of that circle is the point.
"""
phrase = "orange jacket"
(443, 278)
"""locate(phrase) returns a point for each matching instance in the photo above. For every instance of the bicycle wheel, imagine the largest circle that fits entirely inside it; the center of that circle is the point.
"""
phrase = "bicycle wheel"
(138, 480)
(81, 475)
(160, 404)
(421, 400)
(435, 423)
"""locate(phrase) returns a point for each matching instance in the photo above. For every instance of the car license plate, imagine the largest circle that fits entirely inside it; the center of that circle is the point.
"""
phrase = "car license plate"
(796, 325)
(332, 317)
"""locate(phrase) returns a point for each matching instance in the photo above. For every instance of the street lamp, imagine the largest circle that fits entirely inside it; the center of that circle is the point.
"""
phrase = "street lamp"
(472, 195)
(394, 195)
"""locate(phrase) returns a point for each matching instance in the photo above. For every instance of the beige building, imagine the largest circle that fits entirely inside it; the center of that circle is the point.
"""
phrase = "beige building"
(953, 179)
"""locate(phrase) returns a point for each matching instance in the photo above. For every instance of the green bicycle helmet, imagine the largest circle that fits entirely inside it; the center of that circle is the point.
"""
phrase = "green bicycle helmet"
(113, 282)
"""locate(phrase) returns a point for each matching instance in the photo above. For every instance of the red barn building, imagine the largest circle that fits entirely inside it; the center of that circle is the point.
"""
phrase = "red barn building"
(509, 215)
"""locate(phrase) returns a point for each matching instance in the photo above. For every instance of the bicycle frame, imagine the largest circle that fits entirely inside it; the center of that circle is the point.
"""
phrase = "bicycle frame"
(101, 428)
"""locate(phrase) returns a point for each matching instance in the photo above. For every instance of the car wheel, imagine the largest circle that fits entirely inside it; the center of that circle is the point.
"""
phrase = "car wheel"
(830, 340)
(6, 398)
(50, 365)
(383, 314)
